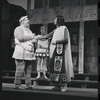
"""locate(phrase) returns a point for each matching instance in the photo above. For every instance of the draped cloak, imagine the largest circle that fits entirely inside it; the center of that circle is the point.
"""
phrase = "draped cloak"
(59, 35)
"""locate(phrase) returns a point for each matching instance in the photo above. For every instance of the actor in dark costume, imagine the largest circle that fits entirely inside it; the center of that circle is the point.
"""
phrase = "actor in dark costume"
(60, 42)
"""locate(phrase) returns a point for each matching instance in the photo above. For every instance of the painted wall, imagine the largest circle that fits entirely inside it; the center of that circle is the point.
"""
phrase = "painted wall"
(71, 14)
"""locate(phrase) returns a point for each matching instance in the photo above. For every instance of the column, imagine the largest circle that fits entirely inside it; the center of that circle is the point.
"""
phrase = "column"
(81, 39)
(45, 16)
(28, 5)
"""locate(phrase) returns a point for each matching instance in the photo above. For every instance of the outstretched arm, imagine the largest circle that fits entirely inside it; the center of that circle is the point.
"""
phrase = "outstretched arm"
(46, 36)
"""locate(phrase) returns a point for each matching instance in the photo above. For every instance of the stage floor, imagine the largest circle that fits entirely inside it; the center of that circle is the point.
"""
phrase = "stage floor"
(82, 92)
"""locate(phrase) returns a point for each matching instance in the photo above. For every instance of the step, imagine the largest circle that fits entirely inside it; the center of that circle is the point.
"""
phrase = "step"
(73, 83)
(77, 76)
(85, 83)
(86, 76)
(40, 79)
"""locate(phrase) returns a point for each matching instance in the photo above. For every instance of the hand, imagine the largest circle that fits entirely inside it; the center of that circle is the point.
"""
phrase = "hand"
(33, 36)
(38, 37)
(34, 40)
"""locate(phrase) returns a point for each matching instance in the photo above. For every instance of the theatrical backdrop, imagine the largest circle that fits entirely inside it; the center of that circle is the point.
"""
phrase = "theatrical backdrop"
(81, 18)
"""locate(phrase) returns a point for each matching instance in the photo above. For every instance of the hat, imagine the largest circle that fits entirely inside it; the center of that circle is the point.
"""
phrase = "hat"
(22, 18)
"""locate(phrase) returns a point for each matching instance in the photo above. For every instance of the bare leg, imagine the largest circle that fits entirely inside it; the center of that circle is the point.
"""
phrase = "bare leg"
(44, 73)
(44, 67)
(38, 76)
(38, 67)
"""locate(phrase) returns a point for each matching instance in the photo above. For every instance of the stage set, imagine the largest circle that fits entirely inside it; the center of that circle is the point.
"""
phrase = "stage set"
(81, 19)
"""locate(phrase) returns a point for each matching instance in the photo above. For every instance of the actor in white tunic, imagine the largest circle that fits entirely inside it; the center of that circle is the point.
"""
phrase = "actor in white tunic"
(23, 52)
(42, 54)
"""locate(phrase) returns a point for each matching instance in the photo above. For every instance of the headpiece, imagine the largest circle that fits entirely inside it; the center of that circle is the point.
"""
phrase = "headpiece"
(22, 18)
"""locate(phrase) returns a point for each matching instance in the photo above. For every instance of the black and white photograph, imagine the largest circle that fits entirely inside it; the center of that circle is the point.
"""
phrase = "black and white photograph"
(50, 49)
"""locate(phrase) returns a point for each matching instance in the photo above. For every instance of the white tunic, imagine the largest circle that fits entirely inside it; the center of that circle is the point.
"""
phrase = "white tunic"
(42, 48)
(24, 50)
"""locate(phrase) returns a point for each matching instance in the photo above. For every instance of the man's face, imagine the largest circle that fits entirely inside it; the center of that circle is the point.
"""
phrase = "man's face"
(26, 21)
(43, 31)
